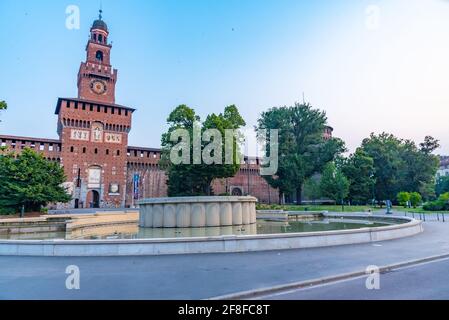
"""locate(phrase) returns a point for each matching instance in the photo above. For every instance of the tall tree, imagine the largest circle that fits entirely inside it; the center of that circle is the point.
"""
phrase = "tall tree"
(442, 185)
(399, 165)
(29, 180)
(359, 169)
(303, 150)
(334, 184)
(312, 188)
(191, 179)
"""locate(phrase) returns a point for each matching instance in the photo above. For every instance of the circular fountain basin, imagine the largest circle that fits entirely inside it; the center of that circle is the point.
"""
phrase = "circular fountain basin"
(329, 230)
(196, 212)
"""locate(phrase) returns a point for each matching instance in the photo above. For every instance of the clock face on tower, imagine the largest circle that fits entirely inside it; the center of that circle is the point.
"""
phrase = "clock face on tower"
(98, 86)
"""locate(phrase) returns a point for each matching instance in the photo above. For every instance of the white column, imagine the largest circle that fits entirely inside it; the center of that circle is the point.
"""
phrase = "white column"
(237, 214)
(169, 216)
(198, 217)
(158, 216)
(183, 215)
(213, 215)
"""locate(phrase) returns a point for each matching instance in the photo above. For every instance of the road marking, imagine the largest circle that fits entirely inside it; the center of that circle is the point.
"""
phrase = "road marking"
(345, 280)
(314, 283)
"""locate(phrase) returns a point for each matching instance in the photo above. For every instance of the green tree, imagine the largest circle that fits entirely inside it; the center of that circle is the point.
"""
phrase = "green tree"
(3, 106)
(312, 188)
(403, 198)
(191, 179)
(419, 165)
(399, 165)
(442, 185)
(29, 180)
(359, 169)
(334, 184)
(427, 190)
(415, 199)
(303, 150)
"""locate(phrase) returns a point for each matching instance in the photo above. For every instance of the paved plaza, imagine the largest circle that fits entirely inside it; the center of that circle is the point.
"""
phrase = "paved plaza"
(204, 276)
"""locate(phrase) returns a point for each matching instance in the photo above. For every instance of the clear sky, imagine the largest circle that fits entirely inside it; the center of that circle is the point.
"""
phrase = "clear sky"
(373, 66)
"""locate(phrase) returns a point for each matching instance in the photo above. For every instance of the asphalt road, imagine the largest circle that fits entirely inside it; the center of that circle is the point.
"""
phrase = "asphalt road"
(208, 275)
(422, 282)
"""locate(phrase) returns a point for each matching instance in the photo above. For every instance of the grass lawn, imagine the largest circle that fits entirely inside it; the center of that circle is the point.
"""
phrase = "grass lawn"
(415, 210)
(27, 215)
(330, 208)
(338, 208)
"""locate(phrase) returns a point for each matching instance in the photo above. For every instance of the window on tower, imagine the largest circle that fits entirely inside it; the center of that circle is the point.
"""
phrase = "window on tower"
(99, 56)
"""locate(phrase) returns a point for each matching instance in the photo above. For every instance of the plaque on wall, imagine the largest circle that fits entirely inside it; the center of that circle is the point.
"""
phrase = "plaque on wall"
(82, 135)
(113, 137)
(114, 188)
(69, 187)
(94, 178)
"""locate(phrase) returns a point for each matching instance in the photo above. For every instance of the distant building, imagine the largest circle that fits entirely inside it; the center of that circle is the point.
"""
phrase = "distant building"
(444, 167)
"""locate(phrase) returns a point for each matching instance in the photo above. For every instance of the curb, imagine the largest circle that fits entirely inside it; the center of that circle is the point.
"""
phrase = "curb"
(313, 282)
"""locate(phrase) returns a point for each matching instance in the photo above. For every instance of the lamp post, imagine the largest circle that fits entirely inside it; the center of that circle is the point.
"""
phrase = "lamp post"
(374, 185)
(247, 169)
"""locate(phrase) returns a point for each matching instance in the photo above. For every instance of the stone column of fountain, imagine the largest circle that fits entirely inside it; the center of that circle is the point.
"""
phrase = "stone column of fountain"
(190, 212)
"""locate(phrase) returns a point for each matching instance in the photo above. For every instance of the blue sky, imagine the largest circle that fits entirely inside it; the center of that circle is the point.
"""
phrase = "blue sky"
(372, 65)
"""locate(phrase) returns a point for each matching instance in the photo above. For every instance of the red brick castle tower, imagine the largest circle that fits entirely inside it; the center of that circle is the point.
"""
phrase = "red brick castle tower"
(94, 130)
(96, 77)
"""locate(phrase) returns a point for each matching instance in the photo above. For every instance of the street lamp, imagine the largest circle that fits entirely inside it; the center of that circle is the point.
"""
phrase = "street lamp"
(374, 185)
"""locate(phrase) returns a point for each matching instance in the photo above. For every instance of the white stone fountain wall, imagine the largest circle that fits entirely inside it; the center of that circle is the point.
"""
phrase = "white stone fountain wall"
(185, 212)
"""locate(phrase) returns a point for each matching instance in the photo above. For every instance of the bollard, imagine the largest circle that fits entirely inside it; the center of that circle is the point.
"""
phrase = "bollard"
(438, 217)
(443, 216)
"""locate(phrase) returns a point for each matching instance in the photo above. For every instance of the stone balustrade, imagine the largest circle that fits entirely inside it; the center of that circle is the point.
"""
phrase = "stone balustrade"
(187, 212)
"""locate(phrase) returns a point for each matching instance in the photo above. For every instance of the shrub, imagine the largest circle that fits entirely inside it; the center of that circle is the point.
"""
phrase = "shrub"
(403, 198)
(7, 211)
(415, 199)
(442, 203)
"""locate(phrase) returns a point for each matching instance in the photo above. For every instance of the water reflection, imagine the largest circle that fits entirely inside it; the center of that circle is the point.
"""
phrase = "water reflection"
(132, 231)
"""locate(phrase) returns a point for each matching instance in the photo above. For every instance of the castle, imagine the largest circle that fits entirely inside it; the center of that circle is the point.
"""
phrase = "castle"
(102, 170)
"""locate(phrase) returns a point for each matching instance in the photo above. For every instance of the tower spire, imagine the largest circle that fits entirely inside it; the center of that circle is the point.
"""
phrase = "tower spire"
(101, 10)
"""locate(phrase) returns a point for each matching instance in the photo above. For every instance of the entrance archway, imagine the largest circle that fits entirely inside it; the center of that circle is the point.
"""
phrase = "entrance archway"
(236, 191)
(93, 199)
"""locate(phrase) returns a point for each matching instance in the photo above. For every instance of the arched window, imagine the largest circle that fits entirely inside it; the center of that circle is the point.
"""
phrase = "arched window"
(100, 38)
(99, 56)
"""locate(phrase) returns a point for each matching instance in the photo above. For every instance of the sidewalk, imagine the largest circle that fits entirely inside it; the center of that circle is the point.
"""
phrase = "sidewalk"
(207, 275)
